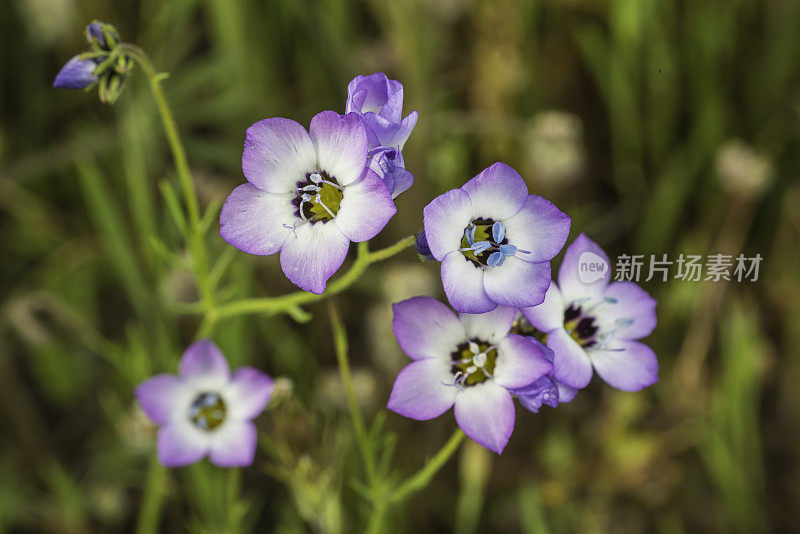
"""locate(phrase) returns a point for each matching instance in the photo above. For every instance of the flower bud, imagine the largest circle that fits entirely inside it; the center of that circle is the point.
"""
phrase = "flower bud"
(77, 73)
(110, 87)
(102, 36)
(378, 101)
(423, 249)
(376, 94)
(101, 65)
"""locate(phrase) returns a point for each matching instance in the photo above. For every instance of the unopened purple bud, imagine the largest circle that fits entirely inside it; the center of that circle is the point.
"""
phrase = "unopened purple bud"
(101, 35)
(377, 94)
(378, 101)
(77, 73)
(102, 65)
(94, 33)
(423, 249)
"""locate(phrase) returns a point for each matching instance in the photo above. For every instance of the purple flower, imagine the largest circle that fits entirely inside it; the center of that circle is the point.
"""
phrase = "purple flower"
(545, 390)
(308, 195)
(494, 241)
(467, 361)
(77, 73)
(593, 323)
(206, 410)
(379, 102)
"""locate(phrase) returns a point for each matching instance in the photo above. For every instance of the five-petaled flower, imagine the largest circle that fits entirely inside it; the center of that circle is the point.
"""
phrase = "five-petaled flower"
(206, 410)
(596, 324)
(308, 195)
(494, 241)
(379, 102)
(467, 361)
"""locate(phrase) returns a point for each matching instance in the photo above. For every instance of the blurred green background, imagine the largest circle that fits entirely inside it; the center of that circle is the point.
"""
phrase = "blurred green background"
(660, 126)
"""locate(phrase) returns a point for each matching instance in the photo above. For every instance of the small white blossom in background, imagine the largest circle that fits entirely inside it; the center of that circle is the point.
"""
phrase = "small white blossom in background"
(49, 20)
(554, 144)
(136, 430)
(331, 390)
(741, 169)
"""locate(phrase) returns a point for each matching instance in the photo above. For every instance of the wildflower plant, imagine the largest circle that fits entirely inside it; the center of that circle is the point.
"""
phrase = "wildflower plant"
(308, 194)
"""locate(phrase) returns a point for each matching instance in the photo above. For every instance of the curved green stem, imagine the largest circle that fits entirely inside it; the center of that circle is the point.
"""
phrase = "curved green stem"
(195, 239)
(286, 302)
(423, 477)
(340, 345)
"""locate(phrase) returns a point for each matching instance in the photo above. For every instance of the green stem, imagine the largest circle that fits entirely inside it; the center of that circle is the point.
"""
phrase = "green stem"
(423, 477)
(285, 302)
(232, 512)
(375, 525)
(150, 512)
(340, 345)
(195, 240)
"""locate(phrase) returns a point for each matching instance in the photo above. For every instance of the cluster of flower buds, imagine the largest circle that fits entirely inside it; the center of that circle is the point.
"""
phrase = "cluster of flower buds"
(102, 65)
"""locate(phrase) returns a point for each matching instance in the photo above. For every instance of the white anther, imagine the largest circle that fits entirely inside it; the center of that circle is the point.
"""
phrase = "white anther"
(474, 348)
(315, 177)
(479, 359)
(472, 369)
